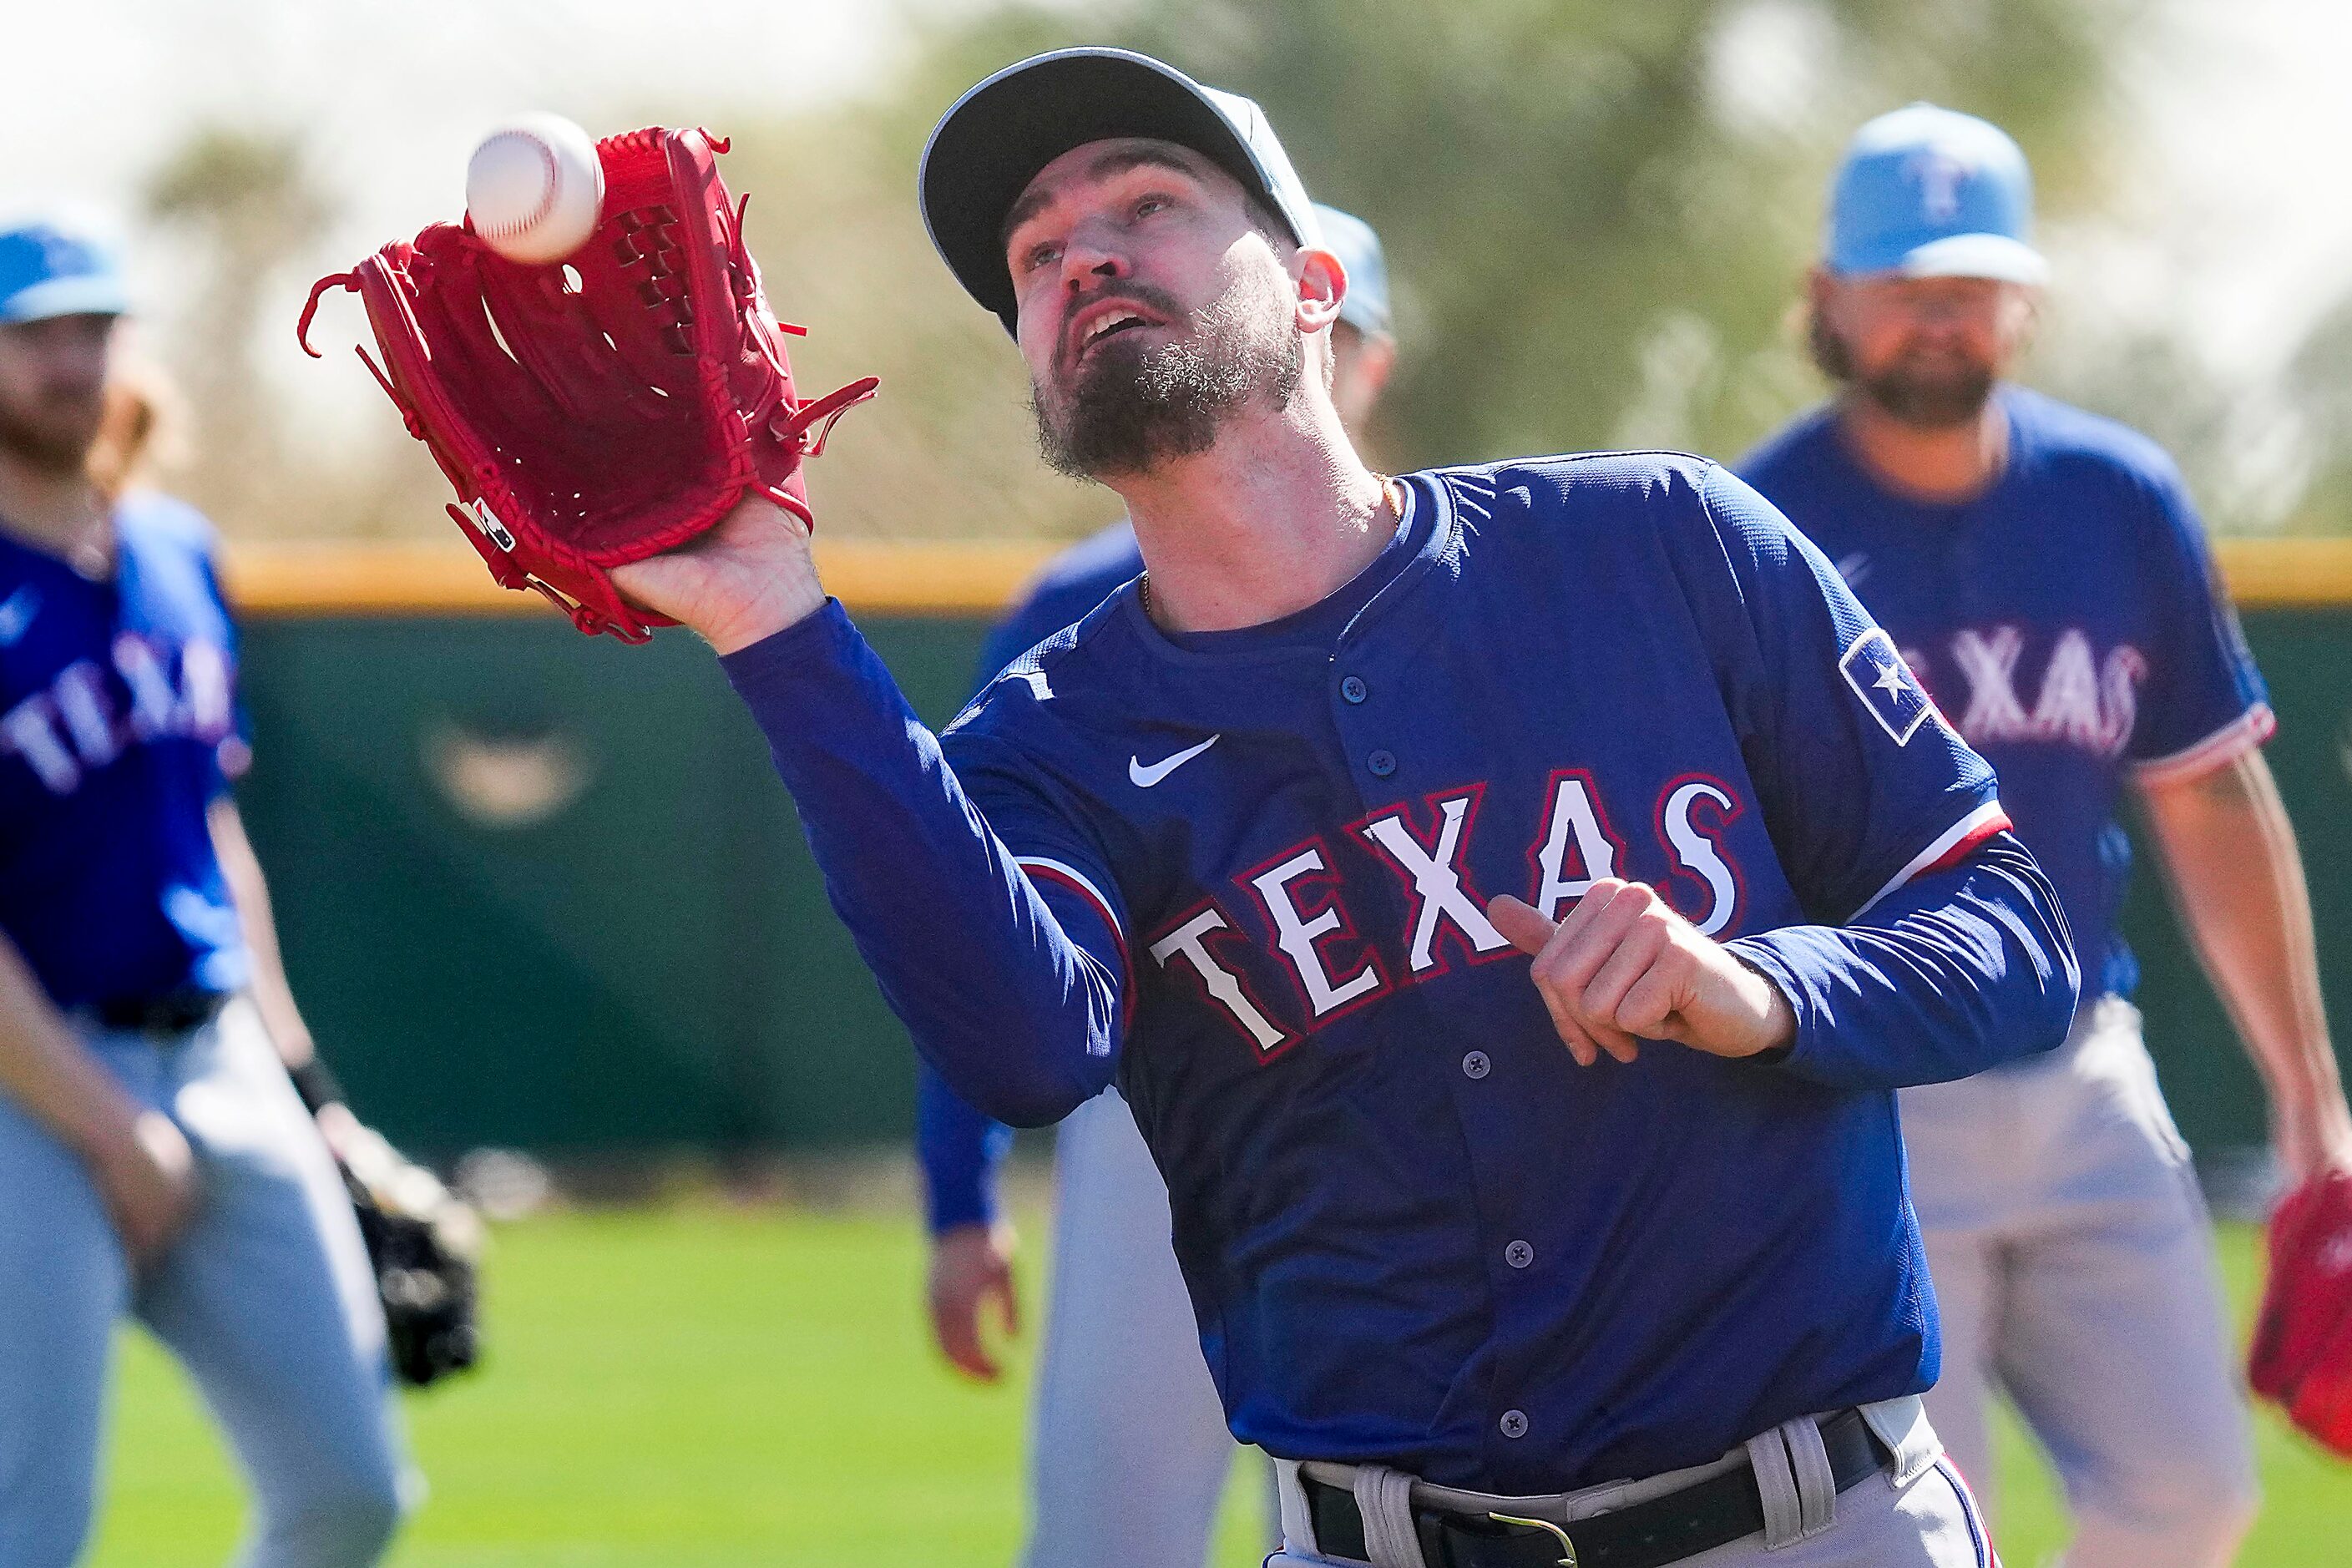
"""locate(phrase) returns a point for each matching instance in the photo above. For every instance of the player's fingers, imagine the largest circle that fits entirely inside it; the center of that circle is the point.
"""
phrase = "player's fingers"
(1521, 922)
(1526, 929)
(1587, 908)
(1651, 1006)
(1585, 938)
(1635, 952)
(1589, 937)
(956, 1326)
(1616, 1041)
(1572, 1034)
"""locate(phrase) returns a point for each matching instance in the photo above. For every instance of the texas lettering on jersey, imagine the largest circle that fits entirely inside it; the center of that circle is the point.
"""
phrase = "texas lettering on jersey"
(1293, 910)
(88, 715)
(2084, 699)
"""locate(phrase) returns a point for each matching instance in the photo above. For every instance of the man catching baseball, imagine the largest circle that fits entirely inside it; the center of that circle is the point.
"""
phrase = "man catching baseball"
(1509, 896)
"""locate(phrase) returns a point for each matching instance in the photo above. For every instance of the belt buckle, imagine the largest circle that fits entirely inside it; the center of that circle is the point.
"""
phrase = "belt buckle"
(1566, 1547)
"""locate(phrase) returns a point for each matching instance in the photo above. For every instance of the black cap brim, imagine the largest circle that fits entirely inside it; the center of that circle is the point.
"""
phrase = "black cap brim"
(995, 140)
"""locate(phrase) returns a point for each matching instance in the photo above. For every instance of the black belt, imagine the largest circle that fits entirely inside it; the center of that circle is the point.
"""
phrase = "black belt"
(1699, 1518)
(172, 1013)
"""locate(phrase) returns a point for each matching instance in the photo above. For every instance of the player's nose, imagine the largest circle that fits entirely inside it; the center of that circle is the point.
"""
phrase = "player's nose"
(1089, 262)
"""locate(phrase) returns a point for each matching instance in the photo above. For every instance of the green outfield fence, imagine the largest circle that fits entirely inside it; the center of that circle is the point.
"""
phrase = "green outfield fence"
(542, 892)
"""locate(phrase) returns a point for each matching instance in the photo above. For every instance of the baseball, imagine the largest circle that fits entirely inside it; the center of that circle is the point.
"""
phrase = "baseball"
(534, 188)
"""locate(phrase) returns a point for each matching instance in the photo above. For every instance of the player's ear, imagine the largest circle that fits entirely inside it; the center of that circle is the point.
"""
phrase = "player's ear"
(1819, 285)
(2020, 313)
(1322, 284)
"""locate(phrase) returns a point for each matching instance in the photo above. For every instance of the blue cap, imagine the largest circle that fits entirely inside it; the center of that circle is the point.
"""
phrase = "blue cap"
(992, 141)
(48, 269)
(1351, 239)
(1929, 192)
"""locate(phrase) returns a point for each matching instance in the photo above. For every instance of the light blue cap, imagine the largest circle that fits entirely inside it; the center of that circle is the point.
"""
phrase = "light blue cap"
(1929, 193)
(48, 268)
(1351, 239)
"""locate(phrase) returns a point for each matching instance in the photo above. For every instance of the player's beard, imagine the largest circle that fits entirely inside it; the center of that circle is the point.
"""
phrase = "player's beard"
(1134, 404)
(1930, 397)
(55, 439)
(1927, 393)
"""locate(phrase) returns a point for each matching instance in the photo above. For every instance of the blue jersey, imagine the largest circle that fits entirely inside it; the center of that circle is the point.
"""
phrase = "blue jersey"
(957, 1147)
(2068, 619)
(118, 729)
(1243, 874)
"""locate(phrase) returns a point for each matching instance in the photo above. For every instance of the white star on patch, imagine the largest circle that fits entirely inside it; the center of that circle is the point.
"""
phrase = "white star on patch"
(1875, 673)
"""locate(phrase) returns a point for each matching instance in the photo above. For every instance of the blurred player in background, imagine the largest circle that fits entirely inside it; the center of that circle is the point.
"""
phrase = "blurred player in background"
(2044, 573)
(155, 1159)
(1128, 1446)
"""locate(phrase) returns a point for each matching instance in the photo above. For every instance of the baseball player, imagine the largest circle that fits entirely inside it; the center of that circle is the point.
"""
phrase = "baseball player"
(1603, 1256)
(1128, 1446)
(155, 1159)
(2044, 573)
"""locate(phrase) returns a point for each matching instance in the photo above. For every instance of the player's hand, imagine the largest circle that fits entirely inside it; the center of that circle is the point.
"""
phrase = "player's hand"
(751, 576)
(972, 1265)
(147, 1175)
(1622, 964)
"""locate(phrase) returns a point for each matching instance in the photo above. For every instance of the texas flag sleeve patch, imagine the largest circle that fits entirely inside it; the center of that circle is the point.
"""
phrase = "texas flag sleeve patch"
(1878, 676)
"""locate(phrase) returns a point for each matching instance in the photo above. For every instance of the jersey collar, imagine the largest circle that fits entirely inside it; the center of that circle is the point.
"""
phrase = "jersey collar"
(1422, 534)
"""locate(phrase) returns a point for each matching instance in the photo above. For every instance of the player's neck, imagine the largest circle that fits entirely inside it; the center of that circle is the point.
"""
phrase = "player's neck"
(1278, 515)
(1944, 464)
(59, 514)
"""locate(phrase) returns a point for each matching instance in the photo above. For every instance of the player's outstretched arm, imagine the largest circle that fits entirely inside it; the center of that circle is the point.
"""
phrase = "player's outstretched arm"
(1621, 966)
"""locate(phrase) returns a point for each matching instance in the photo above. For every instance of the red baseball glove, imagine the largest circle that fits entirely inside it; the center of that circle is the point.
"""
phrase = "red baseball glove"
(2301, 1356)
(596, 411)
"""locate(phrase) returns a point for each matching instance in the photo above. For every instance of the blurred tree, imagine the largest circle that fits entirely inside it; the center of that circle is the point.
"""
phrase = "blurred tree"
(2320, 391)
(247, 198)
(1597, 215)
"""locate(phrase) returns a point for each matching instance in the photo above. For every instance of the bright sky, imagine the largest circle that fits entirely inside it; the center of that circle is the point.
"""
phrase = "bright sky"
(394, 91)
(2241, 222)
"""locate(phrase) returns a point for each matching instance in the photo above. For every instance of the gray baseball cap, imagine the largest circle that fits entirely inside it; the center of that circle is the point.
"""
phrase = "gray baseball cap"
(994, 138)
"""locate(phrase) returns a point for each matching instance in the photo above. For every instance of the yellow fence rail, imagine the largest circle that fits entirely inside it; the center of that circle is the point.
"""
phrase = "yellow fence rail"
(948, 578)
(938, 578)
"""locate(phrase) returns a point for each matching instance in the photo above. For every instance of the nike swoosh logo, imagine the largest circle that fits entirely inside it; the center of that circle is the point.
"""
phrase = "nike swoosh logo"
(1145, 777)
(17, 612)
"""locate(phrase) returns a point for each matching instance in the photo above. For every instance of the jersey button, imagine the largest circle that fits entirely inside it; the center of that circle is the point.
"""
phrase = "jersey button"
(1514, 1424)
(1382, 764)
(1476, 1065)
(1518, 1254)
(1354, 690)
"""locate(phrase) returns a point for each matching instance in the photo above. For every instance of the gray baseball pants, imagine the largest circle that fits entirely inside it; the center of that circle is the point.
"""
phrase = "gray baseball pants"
(267, 1299)
(1128, 1447)
(1917, 1513)
(2073, 1267)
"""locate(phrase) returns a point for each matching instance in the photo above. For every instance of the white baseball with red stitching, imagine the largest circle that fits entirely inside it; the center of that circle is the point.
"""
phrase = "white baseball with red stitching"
(534, 189)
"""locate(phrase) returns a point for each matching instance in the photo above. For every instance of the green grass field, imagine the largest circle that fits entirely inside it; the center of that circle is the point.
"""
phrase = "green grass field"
(716, 1388)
